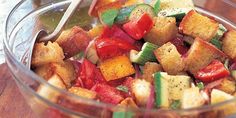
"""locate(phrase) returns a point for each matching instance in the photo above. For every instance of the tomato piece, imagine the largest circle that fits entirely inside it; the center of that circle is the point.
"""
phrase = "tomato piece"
(138, 28)
(116, 32)
(179, 44)
(89, 74)
(214, 71)
(108, 94)
(107, 48)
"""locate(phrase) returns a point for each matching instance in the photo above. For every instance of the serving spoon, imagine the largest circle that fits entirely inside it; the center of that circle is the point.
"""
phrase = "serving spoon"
(43, 36)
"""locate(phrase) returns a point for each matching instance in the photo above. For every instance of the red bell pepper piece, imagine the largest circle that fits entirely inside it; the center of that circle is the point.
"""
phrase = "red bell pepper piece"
(89, 74)
(138, 28)
(179, 44)
(108, 94)
(107, 48)
(116, 32)
(214, 71)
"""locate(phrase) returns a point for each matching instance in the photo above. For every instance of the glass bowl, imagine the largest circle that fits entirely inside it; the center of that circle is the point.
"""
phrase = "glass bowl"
(28, 17)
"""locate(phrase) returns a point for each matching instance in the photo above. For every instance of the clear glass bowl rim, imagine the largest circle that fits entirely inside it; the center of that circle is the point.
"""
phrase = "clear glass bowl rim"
(8, 52)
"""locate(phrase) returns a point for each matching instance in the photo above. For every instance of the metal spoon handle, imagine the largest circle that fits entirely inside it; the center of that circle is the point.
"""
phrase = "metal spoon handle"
(69, 12)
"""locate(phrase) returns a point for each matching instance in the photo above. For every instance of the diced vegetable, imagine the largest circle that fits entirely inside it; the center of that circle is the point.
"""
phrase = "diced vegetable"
(82, 92)
(44, 54)
(227, 85)
(116, 67)
(218, 96)
(146, 54)
(157, 5)
(124, 13)
(206, 29)
(107, 17)
(233, 74)
(216, 39)
(216, 42)
(128, 102)
(111, 47)
(149, 69)
(122, 114)
(49, 93)
(100, 5)
(137, 28)
(192, 98)
(180, 46)
(138, 87)
(200, 85)
(116, 32)
(161, 90)
(91, 53)
(73, 41)
(169, 58)
(229, 44)
(178, 13)
(141, 9)
(108, 94)
(169, 87)
(200, 55)
(215, 70)
(164, 30)
(89, 74)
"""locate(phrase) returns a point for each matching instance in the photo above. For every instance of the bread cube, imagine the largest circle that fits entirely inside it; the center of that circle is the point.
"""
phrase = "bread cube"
(197, 25)
(150, 68)
(73, 41)
(82, 92)
(229, 44)
(227, 86)
(49, 93)
(164, 30)
(96, 31)
(201, 54)
(65, 70)
(169, 58)
(192, 98)
(167, 4)
(44, 54)
(141, 89)
(116, 67)
(128, 102)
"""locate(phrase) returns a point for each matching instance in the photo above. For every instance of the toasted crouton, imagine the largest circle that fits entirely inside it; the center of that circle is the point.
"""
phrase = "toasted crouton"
(44, 54)
(169, 58)
(128, 102)
(82, 92)
(65, 70)
(229, 44)
(116, 67)
(196, 25)
(141, 89)
(200, 54)
(150, 68)
(47, 92)
(73, 41)
(164, 30)
(227, 86)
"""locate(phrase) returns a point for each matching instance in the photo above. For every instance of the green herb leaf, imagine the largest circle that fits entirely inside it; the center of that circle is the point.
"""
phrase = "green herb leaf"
(175, 104)
(122, 114)
(122, 88)
(157, 6)
(200, 85)
(217, 43)
(108, 16)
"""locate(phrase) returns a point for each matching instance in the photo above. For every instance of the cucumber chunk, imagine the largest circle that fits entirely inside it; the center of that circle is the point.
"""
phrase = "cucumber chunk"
(140, 9)
(145, 55)
(178, 13)
(124, 13)
(108, 17)
(216, 39)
